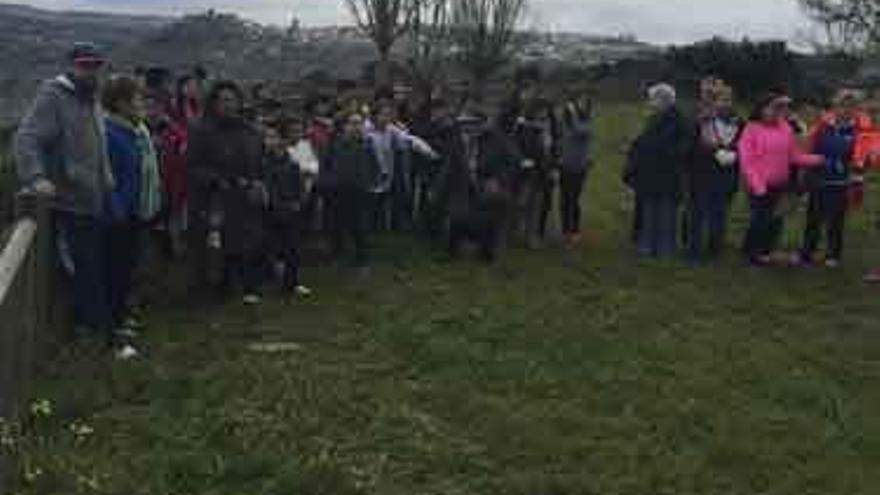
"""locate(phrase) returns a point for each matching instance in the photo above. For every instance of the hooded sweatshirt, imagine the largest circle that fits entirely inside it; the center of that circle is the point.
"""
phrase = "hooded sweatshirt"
(62, 139)
(835, 139)
(767, 152)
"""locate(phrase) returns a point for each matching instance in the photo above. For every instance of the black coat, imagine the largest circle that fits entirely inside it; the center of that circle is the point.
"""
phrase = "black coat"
(224, 163)
(658, 156)
(283, 180)
(703, 171)
(486, 188)
(351, 163)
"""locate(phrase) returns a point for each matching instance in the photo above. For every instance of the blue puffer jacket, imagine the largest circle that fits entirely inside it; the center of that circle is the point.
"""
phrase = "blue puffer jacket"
(125, 162)
(836, 143)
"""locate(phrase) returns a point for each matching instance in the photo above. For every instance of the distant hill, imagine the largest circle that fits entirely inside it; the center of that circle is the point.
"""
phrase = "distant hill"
(33, 43)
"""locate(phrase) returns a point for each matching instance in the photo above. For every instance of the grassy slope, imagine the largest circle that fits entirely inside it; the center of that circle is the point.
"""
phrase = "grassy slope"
(553, 373)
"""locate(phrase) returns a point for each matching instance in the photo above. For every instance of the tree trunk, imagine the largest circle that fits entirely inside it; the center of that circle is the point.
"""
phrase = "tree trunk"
(383, 76)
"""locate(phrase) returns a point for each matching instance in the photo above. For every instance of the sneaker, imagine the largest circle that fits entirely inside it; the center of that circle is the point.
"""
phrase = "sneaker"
(251, 299)
(126, 353)
(302, 291)
(832, 263)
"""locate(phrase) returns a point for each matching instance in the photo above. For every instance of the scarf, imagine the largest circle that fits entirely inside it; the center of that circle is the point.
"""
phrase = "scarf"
(151, 182)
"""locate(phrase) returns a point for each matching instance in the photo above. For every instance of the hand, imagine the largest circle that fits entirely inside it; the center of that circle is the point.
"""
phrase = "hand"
(44, 187)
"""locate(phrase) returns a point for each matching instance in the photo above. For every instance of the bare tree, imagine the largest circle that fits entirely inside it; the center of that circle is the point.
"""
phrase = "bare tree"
(384, 22)
(430, 36)
(484, 32)
(851, 25)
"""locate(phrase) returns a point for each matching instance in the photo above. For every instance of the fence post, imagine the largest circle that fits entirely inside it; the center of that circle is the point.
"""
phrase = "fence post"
(26, 307)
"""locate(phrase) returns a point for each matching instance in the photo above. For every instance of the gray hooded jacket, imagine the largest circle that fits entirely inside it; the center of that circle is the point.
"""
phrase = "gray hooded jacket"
(62, 139)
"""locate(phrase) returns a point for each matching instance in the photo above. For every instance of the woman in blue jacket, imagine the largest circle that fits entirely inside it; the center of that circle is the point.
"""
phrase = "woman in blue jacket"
(134, 201)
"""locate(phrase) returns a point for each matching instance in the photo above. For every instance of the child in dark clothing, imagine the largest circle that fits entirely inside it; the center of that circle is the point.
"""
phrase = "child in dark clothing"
(834, 137)
(284, 184)
(351, 167)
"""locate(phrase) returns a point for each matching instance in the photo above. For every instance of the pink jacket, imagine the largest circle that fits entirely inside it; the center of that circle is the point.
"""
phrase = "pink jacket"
(767, 153)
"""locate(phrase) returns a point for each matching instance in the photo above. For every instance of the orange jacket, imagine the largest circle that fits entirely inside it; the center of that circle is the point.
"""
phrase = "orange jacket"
(867, 137)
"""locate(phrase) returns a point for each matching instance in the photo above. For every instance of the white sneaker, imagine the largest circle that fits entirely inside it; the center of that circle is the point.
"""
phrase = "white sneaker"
(302, 291)
(832, 263)
(126, 353)
(251, 299)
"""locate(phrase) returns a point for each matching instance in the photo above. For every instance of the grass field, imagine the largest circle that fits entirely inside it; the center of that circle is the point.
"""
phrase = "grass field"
(553, 373)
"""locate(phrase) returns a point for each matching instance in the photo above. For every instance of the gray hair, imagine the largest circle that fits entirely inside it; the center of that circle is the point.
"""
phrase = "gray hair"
(662, 94)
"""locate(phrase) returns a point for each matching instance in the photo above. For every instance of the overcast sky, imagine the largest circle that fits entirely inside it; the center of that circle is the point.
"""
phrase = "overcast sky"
(668, 21)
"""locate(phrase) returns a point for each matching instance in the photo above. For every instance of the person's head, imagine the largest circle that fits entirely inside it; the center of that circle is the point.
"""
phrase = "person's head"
(273, 137)
(661, 96)
(385, 114)
(771, 109)
(439, 109)
(154, 107)
(159, 79)
(188, 87)
(724, 100)
(86, 61)
(123, 97)
(294, 130)
(226, 101)
(708, 89)
(319, 106)
(847, 102)
(352, 125)
(200, 73)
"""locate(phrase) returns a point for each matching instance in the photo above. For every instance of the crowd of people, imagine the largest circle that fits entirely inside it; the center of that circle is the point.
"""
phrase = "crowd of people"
(697, 165)
(236, 183)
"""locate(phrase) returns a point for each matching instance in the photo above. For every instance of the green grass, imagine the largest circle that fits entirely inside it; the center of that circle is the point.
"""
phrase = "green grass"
(553, 373)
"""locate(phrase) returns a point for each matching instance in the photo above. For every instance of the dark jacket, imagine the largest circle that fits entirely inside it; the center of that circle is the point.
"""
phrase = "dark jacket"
(224, 162)
(283, 181)
(704, 171)
(576, 148)
(350, 163)
(657, 157)
(62, 139)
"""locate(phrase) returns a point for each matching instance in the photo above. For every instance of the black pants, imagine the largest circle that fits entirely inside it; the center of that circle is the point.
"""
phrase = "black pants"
(571, 186)
(827, 207)
(479, 227)
(244, 269)
(402, 204)
(549, 188)
(125, 245)
(765, 225)
(285, 232)
(350, 206)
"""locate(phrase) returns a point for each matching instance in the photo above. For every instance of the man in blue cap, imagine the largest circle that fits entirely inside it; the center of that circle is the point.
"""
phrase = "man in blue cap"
(61, 153)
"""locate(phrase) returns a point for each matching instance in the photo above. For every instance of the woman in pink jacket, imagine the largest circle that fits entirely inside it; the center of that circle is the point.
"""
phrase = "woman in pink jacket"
(768, 149)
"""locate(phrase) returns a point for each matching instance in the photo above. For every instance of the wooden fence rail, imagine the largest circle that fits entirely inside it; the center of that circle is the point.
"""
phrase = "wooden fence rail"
(28, 309)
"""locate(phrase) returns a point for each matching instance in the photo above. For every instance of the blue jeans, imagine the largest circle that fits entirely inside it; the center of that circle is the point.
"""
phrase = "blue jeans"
(84, 240)
(708, 218)
(658, 232)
